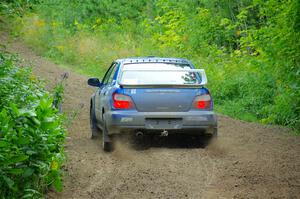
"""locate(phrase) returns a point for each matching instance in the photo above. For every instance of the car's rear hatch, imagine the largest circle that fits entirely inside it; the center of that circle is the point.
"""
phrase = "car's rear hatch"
(162, 99)
(161, 87)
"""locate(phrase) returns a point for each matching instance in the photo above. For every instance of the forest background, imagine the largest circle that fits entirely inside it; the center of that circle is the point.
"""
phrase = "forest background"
(250, 49)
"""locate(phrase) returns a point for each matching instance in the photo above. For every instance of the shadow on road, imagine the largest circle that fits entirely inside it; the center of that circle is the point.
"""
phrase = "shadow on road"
(171, 141)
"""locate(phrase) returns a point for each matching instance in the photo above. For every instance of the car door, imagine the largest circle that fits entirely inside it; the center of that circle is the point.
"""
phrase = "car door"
(102, 91)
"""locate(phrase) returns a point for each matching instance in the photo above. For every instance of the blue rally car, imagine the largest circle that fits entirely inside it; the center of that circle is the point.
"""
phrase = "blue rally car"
(151, 95)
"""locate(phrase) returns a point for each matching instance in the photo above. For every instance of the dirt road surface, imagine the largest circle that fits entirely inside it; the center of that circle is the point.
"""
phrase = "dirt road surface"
(248, 161)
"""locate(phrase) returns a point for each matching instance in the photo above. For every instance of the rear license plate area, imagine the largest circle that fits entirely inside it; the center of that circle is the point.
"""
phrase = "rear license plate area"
(163, 123)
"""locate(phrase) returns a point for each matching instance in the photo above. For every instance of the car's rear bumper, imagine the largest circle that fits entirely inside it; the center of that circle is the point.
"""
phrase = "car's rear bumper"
(197, 121)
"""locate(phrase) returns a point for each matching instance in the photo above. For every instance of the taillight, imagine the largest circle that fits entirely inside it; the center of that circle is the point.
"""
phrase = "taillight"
(121, 101)
(202, 102)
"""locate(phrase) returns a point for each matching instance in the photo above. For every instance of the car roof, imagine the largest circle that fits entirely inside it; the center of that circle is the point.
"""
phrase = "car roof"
(153, 59)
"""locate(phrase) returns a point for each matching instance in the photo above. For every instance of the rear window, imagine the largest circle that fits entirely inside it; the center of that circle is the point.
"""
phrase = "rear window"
(157, 74)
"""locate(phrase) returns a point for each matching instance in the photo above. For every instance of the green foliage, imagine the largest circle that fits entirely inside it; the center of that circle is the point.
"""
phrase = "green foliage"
(31, 134)
(249, 48)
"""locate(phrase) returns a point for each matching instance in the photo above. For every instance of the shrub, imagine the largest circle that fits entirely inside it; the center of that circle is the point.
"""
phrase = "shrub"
(31, 134)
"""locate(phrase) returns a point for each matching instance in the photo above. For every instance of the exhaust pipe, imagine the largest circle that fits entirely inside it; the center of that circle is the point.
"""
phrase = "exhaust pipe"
(139, 134)
(164, 133)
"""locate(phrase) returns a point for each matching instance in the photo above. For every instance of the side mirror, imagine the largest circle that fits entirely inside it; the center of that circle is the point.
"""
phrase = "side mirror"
(94, 82)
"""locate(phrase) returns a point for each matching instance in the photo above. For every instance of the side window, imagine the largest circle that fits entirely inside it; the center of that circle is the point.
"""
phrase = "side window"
(112, 74)
(108, 73)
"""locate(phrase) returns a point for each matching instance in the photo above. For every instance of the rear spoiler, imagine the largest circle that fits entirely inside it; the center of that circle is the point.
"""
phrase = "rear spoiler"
(200, 71)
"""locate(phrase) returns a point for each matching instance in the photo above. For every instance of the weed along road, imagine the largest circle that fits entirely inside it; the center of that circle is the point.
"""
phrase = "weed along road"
(247, 161)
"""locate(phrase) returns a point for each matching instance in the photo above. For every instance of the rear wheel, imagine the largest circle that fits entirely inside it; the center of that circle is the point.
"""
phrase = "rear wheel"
(215, 133)
(95, 131)
(107, 144)
(210, 136)
(214, 136)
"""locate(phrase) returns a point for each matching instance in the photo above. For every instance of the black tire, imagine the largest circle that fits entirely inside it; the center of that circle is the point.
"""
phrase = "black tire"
(107, 144)
(95, 131)
(215, 133)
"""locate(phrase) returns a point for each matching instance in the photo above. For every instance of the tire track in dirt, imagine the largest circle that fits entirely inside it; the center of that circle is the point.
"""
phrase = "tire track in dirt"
(248, 160)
